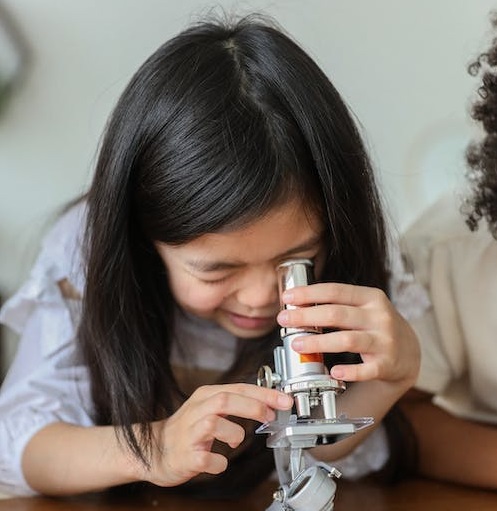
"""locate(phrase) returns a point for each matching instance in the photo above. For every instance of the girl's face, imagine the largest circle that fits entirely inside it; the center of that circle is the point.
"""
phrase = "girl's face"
(231, 277)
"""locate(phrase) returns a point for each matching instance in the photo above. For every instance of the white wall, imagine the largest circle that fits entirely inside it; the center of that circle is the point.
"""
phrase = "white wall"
(401, 65)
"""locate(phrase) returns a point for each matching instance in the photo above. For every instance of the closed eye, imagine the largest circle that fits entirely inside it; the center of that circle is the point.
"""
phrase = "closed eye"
(214, 282)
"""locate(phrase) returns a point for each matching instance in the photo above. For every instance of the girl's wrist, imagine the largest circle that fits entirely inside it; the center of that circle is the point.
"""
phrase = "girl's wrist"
(129, 467)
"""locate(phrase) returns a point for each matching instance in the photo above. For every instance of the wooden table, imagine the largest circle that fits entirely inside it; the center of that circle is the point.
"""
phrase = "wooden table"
(414, 495)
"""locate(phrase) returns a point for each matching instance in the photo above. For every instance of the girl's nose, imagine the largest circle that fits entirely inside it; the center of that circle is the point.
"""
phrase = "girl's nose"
(259, 289)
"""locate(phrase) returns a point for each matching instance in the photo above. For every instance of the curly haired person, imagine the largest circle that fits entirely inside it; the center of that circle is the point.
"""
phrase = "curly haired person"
(453, 410)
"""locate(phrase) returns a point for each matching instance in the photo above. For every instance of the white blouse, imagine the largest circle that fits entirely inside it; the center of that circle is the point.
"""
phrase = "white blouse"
(48, 381)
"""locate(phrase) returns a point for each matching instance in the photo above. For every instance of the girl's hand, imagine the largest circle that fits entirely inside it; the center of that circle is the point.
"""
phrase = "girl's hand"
(366, 323)
(183, 441)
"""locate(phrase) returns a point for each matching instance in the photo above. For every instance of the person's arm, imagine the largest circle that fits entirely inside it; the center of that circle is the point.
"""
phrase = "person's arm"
(65, 459)
(62, 459)
(451, 448)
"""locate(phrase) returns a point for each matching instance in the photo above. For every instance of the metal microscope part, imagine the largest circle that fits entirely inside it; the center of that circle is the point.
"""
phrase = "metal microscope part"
(307, 433)
(304, 376)
(295, 273)
(310, 489)
(307, 380)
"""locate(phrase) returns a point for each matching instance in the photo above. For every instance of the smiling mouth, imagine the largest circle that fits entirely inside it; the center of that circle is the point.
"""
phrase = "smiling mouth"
(251, 323)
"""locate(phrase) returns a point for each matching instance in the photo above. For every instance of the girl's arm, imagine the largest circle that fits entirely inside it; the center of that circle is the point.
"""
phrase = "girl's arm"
(451, 448)
(63, 459)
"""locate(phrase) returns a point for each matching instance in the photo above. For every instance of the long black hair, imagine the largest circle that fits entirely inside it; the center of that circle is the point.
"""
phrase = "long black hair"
(218, 126)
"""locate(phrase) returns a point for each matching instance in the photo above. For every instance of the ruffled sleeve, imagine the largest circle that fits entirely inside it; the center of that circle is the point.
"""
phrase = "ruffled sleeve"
(407, 294)
(47, 381)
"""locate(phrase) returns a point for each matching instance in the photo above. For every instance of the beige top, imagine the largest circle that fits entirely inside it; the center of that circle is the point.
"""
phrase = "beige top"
(458, 335)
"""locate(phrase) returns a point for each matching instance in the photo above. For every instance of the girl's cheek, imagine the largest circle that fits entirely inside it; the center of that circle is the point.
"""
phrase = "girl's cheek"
(205, 302)
(204, 299)
(197, 296)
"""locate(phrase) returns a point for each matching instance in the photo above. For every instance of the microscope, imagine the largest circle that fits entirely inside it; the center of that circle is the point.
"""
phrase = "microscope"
(305, 484)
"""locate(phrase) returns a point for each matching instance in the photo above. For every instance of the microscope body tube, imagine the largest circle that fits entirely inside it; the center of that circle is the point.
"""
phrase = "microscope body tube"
(295, 273)
(303, 375)
(300, 364)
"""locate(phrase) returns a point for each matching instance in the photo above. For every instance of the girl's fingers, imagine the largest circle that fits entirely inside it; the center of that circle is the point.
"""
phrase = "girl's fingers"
(240, 400)
(338, 342)
(213, 427)
(371, 348)
(333, 292)
(207, 462)
(355, 372)
(271, 397)
(329, 315)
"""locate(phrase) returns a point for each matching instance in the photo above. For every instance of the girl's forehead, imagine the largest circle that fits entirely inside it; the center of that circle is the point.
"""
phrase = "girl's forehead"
(282, 231)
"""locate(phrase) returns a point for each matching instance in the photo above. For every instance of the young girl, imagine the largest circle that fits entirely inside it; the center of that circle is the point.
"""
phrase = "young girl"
(154, 300)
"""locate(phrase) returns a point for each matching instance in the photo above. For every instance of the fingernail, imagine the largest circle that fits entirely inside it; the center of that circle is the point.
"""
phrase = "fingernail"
(287, 296)
(337, 373)
(270, 415)
(297, 344)
(283, 317)
(285, 401)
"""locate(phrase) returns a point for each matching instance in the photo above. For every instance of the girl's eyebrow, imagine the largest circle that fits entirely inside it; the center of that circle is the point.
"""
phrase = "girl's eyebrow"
(202, 265)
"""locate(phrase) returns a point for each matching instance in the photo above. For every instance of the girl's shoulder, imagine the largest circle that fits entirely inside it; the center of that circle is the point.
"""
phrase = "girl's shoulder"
(61, 249)
(68, 230)
(59, 264)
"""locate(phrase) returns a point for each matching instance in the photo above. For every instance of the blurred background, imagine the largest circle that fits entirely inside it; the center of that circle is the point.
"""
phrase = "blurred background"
(400, 65)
